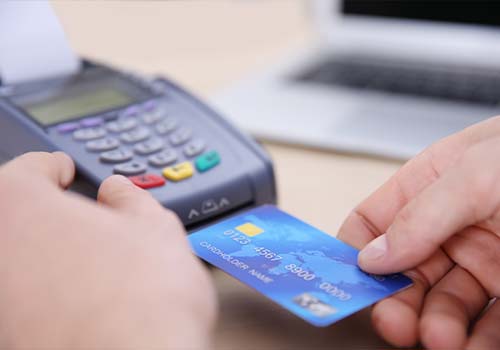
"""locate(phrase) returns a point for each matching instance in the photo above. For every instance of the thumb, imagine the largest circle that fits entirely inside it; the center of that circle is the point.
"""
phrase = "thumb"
(451, 203)
(118, 192)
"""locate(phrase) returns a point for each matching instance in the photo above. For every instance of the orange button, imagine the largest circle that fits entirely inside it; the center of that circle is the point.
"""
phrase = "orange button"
(147, 181)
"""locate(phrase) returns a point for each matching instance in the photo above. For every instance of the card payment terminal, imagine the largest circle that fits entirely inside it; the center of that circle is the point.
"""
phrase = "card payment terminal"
(168, 142)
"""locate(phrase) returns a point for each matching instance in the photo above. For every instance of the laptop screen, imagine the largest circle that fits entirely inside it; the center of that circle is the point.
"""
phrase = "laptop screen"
(485, 12)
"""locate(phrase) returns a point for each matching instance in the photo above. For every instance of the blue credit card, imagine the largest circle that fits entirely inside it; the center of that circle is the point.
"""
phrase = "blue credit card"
(305, 270)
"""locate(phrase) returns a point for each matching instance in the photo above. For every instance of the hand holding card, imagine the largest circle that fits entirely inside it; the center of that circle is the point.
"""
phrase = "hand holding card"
(303, 269)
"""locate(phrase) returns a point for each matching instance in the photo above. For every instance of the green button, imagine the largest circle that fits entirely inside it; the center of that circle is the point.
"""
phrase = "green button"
(207, 161)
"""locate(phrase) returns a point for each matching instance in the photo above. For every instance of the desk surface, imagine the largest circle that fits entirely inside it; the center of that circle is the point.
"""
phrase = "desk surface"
(206, 45)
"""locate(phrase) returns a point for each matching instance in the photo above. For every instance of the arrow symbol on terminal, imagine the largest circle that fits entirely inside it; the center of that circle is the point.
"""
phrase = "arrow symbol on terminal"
(224, 202)
(193, 213)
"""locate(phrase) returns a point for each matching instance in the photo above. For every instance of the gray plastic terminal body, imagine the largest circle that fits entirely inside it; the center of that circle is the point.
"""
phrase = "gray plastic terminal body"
(243, 179)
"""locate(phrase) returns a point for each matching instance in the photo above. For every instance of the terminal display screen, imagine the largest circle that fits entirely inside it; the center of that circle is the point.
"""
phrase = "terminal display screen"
(76, 103)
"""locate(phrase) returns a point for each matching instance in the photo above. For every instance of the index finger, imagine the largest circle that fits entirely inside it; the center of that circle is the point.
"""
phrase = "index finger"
(375, 214)
(57, 167)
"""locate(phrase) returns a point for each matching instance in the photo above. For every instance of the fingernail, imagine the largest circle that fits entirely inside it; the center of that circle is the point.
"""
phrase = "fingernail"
(375, 249)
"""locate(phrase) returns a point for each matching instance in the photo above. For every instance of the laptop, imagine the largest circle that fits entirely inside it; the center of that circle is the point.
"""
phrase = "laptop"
(385, 78)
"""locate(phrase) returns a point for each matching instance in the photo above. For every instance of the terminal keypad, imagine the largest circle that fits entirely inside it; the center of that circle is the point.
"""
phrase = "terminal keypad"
(143, 138)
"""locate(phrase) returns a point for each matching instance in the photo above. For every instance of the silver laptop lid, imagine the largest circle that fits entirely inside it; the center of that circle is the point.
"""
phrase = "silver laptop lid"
(461, 32)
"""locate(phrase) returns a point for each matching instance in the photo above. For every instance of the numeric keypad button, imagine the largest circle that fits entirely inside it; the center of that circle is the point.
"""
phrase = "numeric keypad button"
(89, 134)
(181, 136)
(91, 122)
(130, 169)
(121, 125)
(153, 116)
(116, 156)
(132, 111)
(67, 127)
(148, 147)
(100, 145)
(136, 135)
(163, 158)
(166, 126)
(194, 148)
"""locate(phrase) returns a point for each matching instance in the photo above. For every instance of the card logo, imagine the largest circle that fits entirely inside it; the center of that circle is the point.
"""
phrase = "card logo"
(314, 305)
(250, 229)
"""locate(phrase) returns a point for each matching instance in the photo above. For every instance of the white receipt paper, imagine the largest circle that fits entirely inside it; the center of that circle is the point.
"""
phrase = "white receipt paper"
(33, 45)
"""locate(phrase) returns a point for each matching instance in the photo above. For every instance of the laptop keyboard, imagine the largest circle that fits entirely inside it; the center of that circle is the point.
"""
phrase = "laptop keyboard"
(458, 83)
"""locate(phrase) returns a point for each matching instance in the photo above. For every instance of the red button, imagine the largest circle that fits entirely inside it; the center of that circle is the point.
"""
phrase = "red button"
(148, 181)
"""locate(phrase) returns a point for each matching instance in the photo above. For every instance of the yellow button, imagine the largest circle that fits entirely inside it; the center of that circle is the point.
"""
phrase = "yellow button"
(179, 171)
(250, 229)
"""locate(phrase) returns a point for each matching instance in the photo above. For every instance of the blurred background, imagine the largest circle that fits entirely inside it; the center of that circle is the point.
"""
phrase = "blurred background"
(186, 39)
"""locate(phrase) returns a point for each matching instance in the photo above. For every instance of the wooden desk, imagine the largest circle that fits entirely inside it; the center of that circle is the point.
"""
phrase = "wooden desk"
(206, 45)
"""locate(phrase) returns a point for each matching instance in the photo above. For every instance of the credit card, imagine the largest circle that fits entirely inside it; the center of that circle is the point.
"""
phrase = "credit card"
(305, 270)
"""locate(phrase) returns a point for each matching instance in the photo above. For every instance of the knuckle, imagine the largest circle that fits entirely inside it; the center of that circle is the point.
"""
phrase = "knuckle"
(404, 219)
(411, 233)
(433, 161)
